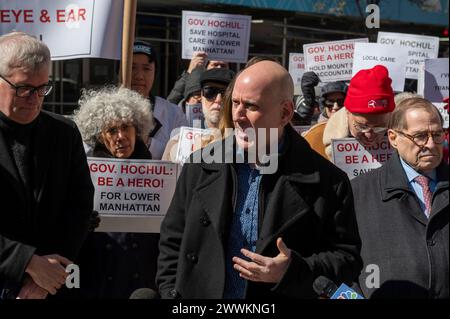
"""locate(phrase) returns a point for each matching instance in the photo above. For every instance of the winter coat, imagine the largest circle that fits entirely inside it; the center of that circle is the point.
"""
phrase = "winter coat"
(410, 251)
(55, 219)
(308, 202)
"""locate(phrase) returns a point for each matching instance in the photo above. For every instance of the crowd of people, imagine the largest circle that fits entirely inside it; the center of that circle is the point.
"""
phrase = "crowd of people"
(232, 230)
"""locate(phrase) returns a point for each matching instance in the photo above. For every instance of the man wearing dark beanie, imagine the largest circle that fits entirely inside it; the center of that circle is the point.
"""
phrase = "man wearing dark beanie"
(368, 104)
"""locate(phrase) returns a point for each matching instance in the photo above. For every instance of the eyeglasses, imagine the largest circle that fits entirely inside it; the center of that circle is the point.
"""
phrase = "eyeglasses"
(421, 139)
(26, 90)
(366, 129)
(211, 92)
(330, 103)
(114, 130)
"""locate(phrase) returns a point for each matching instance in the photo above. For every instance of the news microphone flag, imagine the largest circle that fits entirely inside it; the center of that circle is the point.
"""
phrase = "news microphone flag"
(345, 292)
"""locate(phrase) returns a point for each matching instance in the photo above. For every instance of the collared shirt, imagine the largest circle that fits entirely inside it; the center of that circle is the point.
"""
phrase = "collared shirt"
(411, 174)
(244, 223)
(244, 227)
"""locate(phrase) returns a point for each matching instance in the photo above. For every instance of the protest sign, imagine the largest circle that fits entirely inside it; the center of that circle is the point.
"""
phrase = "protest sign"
(296, 68)
(367, 55)
(435, 80)
(189, 141)
(355, 159)
(420, 47)
(331, 61)
(132, 195)
(222, 36)
(194, 114)
(444, 112)
(70, 28)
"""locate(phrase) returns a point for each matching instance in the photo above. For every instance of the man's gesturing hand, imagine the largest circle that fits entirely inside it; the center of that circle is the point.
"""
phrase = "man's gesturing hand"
(48, 272)
(261, 268)
(30, 290)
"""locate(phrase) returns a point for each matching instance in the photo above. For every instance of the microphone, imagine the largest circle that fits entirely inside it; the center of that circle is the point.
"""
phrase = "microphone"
(144, 293)
(325, 288)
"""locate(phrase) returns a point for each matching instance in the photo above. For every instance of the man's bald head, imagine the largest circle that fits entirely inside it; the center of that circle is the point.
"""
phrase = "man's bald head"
(270, 77)
(261, 101)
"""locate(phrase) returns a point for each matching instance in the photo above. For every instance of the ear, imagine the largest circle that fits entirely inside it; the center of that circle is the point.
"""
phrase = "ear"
(392, 136)
(287, 111)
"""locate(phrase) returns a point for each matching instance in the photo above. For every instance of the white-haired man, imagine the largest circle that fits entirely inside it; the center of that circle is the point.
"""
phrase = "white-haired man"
(46, 191)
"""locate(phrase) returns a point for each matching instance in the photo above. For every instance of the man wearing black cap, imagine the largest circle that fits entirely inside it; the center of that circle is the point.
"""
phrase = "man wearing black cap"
(213, 84)
(167, 116)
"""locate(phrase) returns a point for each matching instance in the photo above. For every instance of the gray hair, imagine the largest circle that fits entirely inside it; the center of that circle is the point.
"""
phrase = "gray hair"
(100, 109)
(19, 50)
(399, 97)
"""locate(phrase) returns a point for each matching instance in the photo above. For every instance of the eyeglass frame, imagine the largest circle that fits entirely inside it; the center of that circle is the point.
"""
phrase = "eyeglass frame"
(218, 90)
(376, 129)
(331, 105)
(429, 133)
(32, 89)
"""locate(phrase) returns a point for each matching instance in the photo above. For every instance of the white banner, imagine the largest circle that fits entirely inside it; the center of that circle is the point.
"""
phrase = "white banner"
(222, 36)
(189, 141)
(296, 68)
(444, 112)
(367, 55)
(355, 159)
(420, 47)
(194, 112)
(132, 195)
(70, 28)
(331, 61)
(435, 85)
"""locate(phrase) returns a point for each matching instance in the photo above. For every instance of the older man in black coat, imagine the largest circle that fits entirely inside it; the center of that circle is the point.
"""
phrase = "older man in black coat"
(234, 232)
(46, 193)
(402, 210)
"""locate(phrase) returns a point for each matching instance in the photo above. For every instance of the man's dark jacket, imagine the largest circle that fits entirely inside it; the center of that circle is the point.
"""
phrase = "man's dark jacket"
(308, 203)
(410, 251)
(56, 220)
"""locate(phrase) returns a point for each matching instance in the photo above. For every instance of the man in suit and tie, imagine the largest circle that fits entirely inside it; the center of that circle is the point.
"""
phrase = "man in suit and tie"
(46, 193)
(402, 210)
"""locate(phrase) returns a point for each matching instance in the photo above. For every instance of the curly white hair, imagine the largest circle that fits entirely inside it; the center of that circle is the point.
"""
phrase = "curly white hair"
(109, 106)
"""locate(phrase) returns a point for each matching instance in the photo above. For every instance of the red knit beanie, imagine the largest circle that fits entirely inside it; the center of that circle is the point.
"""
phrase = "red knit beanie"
(370, 91)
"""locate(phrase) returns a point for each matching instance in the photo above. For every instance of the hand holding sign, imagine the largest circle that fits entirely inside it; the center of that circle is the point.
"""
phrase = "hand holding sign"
(198, 60)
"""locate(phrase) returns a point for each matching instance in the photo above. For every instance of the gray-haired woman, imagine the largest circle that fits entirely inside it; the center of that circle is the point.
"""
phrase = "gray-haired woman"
(116, 122)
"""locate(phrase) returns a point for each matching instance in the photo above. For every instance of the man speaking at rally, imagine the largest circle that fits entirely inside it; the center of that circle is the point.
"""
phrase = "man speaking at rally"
(46, 193)
(234, 232)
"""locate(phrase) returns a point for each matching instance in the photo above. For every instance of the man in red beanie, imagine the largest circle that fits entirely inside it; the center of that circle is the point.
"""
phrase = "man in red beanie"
(368, 104)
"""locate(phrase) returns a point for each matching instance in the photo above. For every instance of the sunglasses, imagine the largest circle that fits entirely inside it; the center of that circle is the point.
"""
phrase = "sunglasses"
(330, 103)
(211, 92)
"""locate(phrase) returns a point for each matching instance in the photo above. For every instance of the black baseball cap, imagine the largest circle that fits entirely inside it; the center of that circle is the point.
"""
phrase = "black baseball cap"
(144, 48)
(217, 75)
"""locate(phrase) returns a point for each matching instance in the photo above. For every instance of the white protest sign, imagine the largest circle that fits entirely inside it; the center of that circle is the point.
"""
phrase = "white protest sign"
(70, 28)
(194, 112)
(420, 47)
(367, 55)
(222, 36)
(435, 84)
(296, 67)
(331, 61)
(132, 195)
(444, 112)
(189, 141)
(355, 159)
(300, 129)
